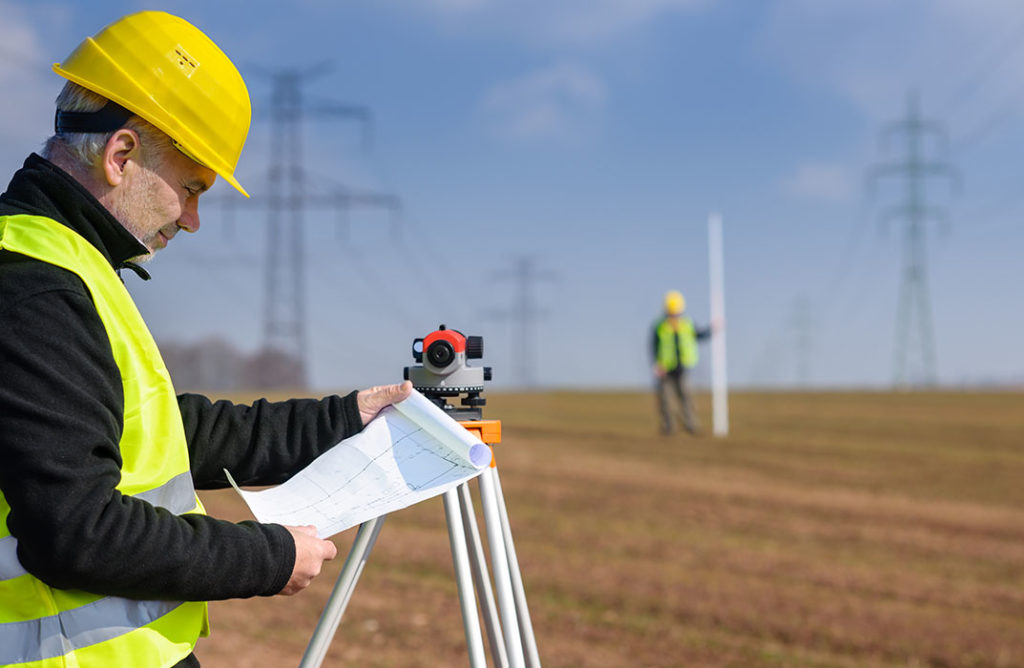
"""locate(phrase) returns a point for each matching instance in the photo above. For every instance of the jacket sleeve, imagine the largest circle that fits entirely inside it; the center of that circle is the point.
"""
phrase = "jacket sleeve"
(61, 410)
(265, 443)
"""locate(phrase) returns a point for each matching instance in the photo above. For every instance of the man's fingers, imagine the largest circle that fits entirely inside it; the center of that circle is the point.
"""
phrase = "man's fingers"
(310, 553)
(390, 394)
(401, 391)
(371, 401)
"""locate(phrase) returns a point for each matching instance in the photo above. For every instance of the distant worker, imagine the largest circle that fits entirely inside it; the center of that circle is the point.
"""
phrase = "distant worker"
(107, 557)
(674, 351)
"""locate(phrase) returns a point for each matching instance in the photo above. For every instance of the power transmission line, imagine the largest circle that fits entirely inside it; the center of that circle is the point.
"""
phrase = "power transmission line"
(1001, 53)
(842, 268)
(986, 66)
(914, 332)
(288, 198)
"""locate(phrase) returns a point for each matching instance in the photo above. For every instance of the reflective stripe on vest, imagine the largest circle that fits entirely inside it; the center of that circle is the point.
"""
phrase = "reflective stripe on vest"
(10, 567)
(56, 635)
(177, 496)
(674, 351)
(43, 627)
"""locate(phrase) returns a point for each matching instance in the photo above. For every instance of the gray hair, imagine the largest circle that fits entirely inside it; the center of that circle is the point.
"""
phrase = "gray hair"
(83, 149)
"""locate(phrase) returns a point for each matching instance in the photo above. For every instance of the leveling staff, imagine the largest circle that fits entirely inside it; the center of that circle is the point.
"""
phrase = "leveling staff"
(106, 555)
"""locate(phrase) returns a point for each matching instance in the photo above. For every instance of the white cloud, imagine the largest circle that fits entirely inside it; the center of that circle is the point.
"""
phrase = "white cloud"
(557, 102)
(26, 116)
(572, 22)
(820, 181)
(962, 56)
(20, 53)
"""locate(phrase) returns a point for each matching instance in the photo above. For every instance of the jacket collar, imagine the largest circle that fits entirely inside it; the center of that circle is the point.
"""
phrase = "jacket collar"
(41, 188)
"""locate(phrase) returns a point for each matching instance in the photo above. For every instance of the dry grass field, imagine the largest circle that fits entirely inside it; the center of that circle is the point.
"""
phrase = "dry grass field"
(832, 529)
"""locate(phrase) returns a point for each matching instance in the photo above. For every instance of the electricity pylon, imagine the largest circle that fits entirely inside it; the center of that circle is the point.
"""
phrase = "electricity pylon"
(287, 199)
(914, 348)
(524, 313)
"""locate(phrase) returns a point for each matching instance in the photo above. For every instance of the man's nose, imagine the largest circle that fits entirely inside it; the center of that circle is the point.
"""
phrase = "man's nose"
(189, 220)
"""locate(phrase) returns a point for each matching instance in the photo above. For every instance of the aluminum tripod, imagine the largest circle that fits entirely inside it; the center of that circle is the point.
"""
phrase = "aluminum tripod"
(509, 629)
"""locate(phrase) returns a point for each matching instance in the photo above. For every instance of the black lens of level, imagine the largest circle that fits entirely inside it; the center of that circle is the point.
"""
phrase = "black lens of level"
(440, 353)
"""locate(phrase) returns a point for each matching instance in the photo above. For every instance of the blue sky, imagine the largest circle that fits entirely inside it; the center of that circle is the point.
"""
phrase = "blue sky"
(595, 137)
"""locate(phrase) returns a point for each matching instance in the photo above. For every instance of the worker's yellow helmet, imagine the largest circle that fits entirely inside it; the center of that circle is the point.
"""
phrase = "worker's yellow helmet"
(168, 72)
(675, 304)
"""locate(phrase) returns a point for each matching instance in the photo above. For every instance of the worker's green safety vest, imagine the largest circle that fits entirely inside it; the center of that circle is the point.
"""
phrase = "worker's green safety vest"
(44, 627)
(673, 350)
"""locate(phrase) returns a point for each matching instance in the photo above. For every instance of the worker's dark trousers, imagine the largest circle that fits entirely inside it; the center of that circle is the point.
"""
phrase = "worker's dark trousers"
(677, 382)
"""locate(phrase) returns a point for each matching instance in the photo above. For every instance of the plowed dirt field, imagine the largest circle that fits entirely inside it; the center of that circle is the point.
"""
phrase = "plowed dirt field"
(828, 529)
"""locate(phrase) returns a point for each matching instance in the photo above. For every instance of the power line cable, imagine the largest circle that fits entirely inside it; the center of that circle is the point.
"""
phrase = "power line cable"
(986, 66)
(226, 276)
(428, 268)
(347, 299)
(802, 325)
(845, 264)
(377, 280)
(445, 285)
(990, 218)
(1002, 114)
(442, 281)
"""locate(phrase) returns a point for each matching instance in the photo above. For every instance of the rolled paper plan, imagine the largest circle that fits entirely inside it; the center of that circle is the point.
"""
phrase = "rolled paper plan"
(410, 452)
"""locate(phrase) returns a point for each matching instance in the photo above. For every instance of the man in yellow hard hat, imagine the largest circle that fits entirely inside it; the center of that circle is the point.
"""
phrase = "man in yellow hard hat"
(674, 354)
(106, 554)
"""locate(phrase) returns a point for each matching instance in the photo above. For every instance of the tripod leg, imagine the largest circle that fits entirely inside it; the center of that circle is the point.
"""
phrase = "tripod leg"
(480, 577)
(499, 562)
(343, 588)
(470, 620)
(525, 625)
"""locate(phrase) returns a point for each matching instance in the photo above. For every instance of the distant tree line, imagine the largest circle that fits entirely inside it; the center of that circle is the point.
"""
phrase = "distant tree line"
(215, 365)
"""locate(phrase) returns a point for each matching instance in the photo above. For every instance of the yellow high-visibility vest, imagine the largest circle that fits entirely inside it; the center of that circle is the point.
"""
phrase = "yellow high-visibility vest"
(44, 627)
(677, 346)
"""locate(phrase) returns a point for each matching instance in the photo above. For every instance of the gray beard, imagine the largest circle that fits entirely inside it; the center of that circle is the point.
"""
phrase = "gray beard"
(142, 259)
(130, 206)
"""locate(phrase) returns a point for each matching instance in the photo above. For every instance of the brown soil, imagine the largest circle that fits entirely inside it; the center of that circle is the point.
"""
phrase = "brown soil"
(834, 529)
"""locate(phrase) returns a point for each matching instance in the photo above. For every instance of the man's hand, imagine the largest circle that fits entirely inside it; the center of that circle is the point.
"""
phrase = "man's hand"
(658, 371)
(371, 401)
(310, 554)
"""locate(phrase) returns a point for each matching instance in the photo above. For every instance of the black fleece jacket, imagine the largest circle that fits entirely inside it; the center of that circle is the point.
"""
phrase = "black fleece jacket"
(61, 409)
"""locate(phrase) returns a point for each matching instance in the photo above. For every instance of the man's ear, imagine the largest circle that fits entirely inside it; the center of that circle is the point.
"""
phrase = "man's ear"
(122, 147)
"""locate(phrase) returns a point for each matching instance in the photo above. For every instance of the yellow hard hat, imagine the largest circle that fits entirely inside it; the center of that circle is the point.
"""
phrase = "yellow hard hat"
(675, 304)
(168, 72)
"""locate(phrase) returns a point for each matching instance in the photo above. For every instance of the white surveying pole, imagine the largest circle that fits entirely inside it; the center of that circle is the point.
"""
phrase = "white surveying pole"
(719, 382)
